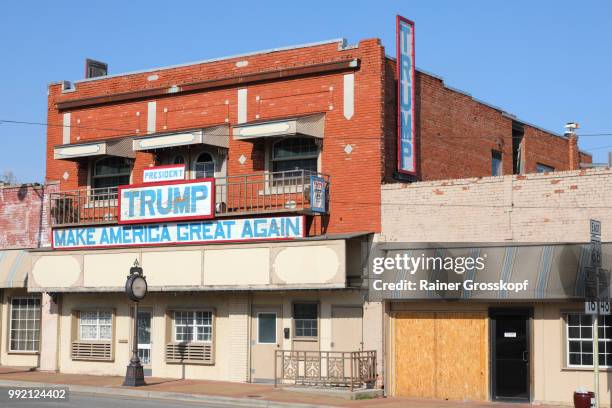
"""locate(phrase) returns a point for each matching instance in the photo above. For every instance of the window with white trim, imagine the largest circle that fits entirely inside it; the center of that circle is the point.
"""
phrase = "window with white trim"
(579, 337)
(192, 326)
(306, 319)
(25, 324)
(96, 325)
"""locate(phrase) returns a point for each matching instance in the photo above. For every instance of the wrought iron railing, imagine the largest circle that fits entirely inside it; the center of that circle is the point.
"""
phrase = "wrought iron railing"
(255, 193)
(352, 369)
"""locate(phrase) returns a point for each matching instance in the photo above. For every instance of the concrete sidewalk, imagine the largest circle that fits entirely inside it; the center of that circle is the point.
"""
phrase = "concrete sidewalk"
(218, 392)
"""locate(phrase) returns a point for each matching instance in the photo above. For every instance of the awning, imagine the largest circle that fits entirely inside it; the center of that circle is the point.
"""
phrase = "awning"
(119, 147)
(14, 267)
(312, 125)
(214, 136)
(551, 272)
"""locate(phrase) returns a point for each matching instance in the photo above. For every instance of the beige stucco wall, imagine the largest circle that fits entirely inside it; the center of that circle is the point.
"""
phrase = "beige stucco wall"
(231, 333)
(553, 382)
(8, 358)
(275, 265)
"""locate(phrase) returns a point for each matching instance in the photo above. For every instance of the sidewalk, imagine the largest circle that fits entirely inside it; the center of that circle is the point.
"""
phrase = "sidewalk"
(232, 394)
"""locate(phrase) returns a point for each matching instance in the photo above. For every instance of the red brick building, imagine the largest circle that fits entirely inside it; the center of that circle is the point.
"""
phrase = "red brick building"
(265, 126)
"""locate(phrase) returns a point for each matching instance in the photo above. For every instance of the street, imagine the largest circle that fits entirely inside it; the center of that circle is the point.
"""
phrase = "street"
(96, 401)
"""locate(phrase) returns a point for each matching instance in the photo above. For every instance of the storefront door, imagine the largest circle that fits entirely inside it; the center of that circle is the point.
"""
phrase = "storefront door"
(510, 354)
(266, 332)
(144, 337)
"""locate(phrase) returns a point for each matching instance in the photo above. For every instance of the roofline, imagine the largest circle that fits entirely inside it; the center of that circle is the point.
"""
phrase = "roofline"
(342, 44)
(490, 105)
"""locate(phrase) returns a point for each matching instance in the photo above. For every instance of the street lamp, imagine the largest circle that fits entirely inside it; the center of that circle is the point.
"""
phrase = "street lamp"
(136, 290)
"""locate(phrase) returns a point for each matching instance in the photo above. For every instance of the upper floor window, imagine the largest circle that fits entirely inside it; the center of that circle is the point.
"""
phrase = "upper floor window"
(111, 172)
(178, 159)
(496, 163)
(295, 154)
(542, 168)
(204, 166)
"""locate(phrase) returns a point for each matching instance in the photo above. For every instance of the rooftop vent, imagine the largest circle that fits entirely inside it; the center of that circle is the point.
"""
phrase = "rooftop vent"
(95, 68)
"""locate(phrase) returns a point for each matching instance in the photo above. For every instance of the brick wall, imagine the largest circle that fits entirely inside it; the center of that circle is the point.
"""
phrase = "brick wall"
(552, 207)
(456, 134)
(355, 174)
(24, 219)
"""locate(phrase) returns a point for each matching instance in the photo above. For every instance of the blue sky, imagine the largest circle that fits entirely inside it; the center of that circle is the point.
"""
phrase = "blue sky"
(546, 61)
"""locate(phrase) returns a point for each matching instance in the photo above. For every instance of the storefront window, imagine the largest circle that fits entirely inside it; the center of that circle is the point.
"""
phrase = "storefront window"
(192, 326)
(96, 325)
(25, 324)
(580, 340)
(305, 316)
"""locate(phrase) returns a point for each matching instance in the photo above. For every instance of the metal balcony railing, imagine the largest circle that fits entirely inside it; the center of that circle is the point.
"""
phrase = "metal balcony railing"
(248, 194)
(352, 369)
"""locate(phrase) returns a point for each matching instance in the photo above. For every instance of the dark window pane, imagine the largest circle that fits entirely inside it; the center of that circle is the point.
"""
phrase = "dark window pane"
(586, 332)
(573, 320)
(587, 359)
(266, 328)
(294, 148)
(574, 347)
(587, 347)
(574, 332)
(585, 320)
(305, 311)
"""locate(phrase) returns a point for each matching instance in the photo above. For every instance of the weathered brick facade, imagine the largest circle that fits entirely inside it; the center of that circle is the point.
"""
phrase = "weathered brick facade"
(24, 221)
(552, 207)
(455, 133)
(354, 173)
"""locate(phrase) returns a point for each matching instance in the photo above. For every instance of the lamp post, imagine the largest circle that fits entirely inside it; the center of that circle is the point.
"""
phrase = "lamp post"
(136, 290)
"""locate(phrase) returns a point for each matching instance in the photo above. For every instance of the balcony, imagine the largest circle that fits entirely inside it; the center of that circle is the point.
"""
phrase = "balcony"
(350, 369)
(248, 194)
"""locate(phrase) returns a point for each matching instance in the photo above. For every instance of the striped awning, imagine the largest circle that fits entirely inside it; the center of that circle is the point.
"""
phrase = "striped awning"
(14, 266)
(550, 271)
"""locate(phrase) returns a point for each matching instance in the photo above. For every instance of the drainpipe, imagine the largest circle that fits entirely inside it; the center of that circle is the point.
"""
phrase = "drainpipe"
(574, 153)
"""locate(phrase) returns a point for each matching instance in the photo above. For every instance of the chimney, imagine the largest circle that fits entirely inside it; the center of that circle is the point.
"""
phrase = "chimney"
(95, 68)
(573, 152)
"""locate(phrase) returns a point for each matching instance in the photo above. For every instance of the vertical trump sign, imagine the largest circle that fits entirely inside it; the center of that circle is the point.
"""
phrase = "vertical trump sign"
(406, 154)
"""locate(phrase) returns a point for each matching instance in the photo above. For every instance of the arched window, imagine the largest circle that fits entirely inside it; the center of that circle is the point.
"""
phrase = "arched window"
(179, 159)
(204, 166)
(292, 155)
(111, 172)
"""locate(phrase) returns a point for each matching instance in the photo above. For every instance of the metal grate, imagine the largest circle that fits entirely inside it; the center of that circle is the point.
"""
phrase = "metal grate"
(195, 353)
(98, 351)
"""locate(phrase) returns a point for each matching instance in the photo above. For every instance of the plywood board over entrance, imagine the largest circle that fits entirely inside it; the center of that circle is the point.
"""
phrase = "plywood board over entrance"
(441, 355)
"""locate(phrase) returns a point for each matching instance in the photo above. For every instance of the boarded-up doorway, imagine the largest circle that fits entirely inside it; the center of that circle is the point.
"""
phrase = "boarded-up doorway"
(441, 355)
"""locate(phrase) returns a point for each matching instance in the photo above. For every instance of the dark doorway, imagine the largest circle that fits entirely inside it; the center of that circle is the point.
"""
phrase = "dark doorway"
(510, 371)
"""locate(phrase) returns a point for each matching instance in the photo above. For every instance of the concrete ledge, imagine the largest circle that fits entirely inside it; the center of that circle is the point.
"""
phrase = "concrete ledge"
(359, 394)
(171, 396)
